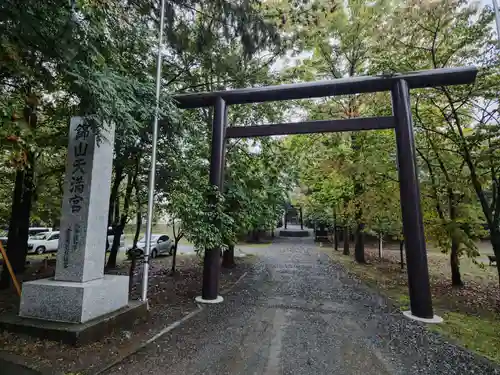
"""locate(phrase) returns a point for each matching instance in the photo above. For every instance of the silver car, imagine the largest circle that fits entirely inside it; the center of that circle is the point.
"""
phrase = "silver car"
(160, 244)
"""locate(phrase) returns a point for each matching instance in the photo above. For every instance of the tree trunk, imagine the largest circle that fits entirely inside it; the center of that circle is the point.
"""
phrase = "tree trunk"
(12, 240)
(228, 257)
(117, 218)
(178, 234)
(121, 225)
(380, 242)
(174, 255)
(138, 202)
(255, 235)
(359, 247)
(138, 226)
(456, 278)
(17, 241)
(15, 211)
(285, 219)
(114, 194)
(113, 220)
(346, 240)
(335, 232)
(401, 253)
(24, 224)
(301, 222)
(131, 273)
(495, 242)
(115, 246)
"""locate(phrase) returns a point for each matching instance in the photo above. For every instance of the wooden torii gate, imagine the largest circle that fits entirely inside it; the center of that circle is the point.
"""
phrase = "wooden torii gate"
(401, 121)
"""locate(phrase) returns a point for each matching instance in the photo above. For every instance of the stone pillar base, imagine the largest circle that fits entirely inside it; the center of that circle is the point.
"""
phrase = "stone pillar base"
(73, 302)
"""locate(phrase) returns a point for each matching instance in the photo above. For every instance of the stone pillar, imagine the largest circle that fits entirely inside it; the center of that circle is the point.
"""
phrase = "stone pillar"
(80, 291)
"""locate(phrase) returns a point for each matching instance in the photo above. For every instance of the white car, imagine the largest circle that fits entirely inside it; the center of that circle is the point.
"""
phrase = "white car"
(43, 242)
(36, 230)
(4, 235)
(160, 244)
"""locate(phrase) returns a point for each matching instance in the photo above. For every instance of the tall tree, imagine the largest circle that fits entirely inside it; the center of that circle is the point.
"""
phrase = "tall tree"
(456, 126)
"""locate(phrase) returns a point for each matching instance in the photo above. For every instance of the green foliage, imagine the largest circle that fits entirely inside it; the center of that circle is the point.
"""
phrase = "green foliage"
(95, 59)
(256, 185)
(453, 147)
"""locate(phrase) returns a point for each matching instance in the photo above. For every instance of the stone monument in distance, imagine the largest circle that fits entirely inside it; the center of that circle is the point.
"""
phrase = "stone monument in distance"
(80, 291)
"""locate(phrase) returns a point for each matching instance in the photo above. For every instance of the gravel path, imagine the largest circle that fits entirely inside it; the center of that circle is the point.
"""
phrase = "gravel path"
(299, 314)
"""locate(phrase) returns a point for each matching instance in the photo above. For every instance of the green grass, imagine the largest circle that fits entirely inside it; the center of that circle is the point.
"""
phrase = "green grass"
(479, 334)
(404, 302)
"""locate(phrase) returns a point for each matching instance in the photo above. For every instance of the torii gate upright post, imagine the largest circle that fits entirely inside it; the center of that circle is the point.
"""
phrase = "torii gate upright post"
(211, 261)
(409, 190)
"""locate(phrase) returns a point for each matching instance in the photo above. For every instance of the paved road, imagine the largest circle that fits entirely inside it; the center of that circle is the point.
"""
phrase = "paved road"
(297, 313)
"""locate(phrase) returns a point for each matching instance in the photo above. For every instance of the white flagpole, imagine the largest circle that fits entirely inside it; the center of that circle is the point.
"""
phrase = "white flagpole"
(152, 173)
